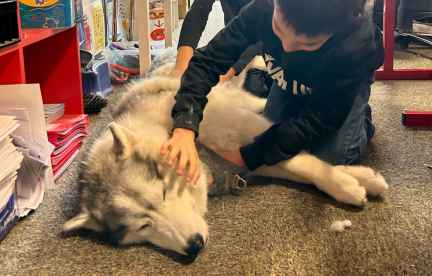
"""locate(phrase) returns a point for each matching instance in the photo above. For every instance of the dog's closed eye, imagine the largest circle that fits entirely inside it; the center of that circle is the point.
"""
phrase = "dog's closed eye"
(145, 226)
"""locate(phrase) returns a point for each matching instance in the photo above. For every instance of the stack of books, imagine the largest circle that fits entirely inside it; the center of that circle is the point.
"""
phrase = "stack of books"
(10, 162)
(53, 112)
(67, 135)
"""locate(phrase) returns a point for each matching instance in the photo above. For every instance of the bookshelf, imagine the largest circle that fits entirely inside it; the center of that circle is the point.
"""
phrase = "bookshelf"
(49, 57)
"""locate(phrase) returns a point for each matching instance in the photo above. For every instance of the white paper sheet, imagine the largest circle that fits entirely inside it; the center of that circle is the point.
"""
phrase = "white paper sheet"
(7, 126)
(10, 164)
(29, 184)
(29, 96)
(6, 189)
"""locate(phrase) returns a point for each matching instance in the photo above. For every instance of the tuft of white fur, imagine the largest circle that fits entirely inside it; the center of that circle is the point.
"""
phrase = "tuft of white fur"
(339, 226)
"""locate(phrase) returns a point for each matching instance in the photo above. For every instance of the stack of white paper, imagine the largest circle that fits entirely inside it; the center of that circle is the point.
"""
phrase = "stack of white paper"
(10, 162)
(29, 97)
(53, 112)
(30, 183)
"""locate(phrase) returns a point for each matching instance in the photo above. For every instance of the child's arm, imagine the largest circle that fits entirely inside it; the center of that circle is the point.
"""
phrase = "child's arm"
(191, 31)
(203, 73)
(247, 57)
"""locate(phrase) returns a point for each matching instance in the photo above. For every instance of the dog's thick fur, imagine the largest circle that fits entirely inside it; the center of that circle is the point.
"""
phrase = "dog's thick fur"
(130, 195)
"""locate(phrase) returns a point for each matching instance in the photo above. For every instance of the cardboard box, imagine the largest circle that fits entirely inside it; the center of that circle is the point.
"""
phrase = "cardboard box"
(49, 13)
(183, 8)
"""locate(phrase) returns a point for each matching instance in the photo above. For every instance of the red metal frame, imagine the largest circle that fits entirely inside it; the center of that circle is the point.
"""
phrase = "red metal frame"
(387, 72)
(416, 118)
(409, 118)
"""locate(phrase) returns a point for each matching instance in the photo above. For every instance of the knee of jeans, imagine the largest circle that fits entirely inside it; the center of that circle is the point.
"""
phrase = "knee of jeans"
(353, 156)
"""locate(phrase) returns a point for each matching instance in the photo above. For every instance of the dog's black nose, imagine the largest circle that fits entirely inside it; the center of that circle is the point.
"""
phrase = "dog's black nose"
(195, 244)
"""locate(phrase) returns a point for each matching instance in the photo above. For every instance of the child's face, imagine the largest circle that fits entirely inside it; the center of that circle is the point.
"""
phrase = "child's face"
(292, 42)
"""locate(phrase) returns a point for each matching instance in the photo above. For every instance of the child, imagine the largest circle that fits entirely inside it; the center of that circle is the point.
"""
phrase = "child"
(322, 55)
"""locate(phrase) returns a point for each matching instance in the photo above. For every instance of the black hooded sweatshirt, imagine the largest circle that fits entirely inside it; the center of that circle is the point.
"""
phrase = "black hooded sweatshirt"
(329, 77)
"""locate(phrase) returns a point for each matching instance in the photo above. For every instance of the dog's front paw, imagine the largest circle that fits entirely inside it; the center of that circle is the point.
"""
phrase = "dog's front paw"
(344, 188)
(373, 182)
(375, 185)
(350, 192)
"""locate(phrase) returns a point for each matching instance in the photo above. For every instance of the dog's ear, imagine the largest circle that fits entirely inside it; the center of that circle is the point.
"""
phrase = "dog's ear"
(83, 220)
(124, 140)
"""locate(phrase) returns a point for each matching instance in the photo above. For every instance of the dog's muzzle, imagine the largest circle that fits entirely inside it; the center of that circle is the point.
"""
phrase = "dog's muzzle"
(195, 244)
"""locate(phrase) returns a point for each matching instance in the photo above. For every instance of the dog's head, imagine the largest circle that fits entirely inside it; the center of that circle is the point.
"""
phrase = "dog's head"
(131, 196)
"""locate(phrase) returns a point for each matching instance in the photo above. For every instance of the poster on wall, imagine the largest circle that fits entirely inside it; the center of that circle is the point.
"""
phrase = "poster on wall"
(157, 28)
(94, 27)
(99, 29)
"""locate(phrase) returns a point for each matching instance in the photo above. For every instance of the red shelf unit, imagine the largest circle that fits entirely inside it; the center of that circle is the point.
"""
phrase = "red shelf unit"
(49, 57)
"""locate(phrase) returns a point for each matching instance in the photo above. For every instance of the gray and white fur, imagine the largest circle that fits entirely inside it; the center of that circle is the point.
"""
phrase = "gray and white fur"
(130, 195)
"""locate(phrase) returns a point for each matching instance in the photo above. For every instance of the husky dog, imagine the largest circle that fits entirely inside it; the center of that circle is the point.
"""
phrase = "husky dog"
(130, 195)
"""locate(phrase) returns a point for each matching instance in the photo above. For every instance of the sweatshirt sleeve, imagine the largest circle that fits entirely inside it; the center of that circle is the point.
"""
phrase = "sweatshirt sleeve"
(247, 57)
(325, 112)
(195, 23)
(209, 62)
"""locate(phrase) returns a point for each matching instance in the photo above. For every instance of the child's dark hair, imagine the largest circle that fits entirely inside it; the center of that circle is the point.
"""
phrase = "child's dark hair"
(315, 17)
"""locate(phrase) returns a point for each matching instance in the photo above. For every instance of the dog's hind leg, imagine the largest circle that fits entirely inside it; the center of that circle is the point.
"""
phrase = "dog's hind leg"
(373, 182)
(308, 169)
(278, 172)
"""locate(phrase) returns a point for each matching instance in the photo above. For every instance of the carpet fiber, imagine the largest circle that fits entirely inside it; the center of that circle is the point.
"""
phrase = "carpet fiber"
(277, 227)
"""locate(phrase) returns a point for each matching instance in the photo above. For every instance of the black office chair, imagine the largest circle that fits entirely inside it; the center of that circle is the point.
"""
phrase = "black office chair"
(404, 33)
(408, 11)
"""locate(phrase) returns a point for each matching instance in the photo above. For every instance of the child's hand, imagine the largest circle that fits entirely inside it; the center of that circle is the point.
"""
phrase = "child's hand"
(182, 145)
(176, 73)
(228, 76)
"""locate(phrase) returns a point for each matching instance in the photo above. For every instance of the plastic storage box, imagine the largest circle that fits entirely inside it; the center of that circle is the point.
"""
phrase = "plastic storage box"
(97, 79)
(123, 64)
